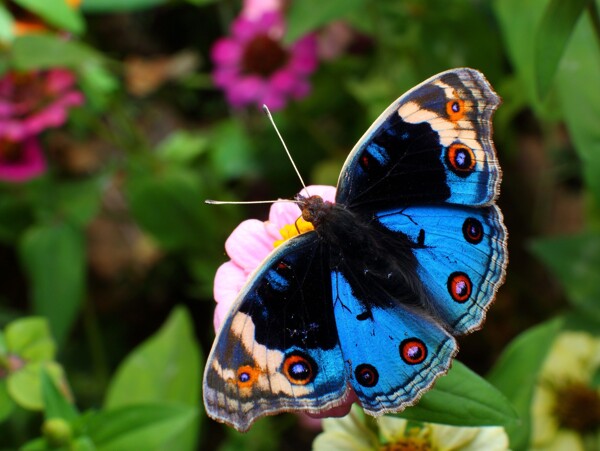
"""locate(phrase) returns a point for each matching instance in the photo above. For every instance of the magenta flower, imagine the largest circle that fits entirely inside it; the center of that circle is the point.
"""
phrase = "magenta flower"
(247, 247)
(21, 160)
(31, 102)
(253, 66)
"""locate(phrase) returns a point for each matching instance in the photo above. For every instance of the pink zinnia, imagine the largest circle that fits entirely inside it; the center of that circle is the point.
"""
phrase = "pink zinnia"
(21, 160)
(247, 246)
(31, 102)
(253, 66)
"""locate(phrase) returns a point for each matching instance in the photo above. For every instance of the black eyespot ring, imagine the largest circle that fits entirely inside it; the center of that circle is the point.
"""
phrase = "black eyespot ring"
(472, 230)
(366, 375)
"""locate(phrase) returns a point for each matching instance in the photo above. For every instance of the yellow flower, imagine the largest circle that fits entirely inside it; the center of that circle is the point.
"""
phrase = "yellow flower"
(356, 432)
(566, 402)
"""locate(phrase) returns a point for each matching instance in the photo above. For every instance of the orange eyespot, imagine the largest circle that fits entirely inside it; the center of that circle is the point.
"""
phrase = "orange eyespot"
(459, 286)
(246, 376)
(461, 159)
(455, 108)
(299, 369)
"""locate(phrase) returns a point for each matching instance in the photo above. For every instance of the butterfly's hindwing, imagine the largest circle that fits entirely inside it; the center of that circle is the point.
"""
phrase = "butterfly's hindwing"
(278, 349)
(462, 257)
(394, 353)
(432, 145)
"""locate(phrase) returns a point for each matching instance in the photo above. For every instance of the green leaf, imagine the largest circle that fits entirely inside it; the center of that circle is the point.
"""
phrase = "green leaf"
(519, 22)
(54, 259)
(575, 262)
(576, 84)
(43, 51)
(515, 375)
(231, 150)
(164, 368)
(30, 339)
(169, 205)
(6, 403)
(462, 398)
(25, 385)
(56, 404)
(264, 435)
(78, 201)
(57, 13)
(552, 37)
(149, 426)
(6, 25)
(105, 6)
(308, 15)
(183, 147)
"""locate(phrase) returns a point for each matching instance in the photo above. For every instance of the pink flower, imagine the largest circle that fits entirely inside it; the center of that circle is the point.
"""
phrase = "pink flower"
(253, 66)
(247, 247)
(253, 9)
(31, 102)
(21, 160)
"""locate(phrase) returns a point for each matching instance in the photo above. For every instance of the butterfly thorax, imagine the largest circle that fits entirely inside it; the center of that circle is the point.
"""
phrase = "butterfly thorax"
(356, 243)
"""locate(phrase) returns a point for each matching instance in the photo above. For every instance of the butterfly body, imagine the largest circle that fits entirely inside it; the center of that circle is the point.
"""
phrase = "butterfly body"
(410, 254)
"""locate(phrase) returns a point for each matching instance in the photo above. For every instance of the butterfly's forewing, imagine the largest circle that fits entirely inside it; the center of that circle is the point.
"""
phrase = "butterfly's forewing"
(394, 353)
(432, 145)
(461, 254)
(278, 349)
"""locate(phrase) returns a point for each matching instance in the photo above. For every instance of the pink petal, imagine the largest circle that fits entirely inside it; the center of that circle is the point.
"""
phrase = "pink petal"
(31, 164)
(325, 191)
(253, 9)
(301, 89)
(229, 280)
(226, 52)
(273, 98)
(283, 213)
(59, 80)
(247, 90)
(283, 81)
(249, 244)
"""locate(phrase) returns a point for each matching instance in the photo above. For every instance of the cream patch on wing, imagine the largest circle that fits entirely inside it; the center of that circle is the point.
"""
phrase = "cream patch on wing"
(265, 373)
(449, 132)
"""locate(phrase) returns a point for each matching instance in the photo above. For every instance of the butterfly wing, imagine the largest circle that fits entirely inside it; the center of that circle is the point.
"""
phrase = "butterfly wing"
(432, 145)
(461, 254)
(394, 353)
(278, 349)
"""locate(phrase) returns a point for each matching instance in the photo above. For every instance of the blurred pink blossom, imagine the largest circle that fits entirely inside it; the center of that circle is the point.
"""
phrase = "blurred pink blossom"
(247, 247)
(253, 9)
(254, 66)
(21, 160)
(31, 102)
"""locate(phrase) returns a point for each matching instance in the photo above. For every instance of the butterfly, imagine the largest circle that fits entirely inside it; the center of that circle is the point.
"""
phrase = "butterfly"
(409, 256)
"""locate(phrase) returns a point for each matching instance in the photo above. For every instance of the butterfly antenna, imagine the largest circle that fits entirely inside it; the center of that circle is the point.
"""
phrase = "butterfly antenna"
(268, 113)
(249, 202)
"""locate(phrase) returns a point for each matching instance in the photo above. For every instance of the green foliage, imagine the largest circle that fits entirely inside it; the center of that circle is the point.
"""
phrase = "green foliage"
(575, 262)
(462, 398)
(521, 362)
(56, 13)
(54, 257)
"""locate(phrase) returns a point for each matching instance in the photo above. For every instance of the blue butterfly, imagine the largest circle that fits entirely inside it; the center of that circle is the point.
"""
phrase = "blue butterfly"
(410, 255)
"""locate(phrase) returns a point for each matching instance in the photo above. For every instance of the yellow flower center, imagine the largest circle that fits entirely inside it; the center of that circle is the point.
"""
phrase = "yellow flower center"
(291, 230)
(408, 444)
(578, 408)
